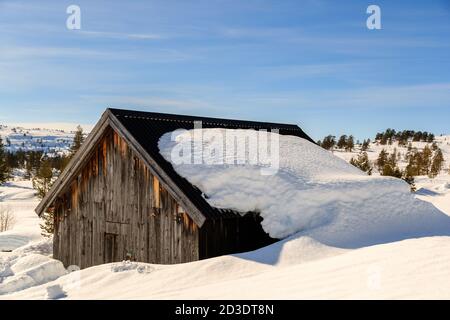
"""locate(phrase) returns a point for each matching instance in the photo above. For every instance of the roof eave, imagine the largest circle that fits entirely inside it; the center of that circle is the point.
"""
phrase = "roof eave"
(74, 164)
(79, 159)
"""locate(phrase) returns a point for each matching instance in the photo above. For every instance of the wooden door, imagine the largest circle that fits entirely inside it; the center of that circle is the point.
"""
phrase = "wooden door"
(110, 253)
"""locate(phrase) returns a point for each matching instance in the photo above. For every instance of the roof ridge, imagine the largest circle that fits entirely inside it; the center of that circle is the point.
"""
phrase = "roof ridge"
(149, 115)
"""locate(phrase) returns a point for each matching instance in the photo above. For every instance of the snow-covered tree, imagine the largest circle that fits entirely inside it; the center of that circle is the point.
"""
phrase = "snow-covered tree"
(362, 162)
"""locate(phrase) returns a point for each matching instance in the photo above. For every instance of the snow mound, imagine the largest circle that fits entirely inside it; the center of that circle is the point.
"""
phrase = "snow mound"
(313, 192)
(24, 268)
(43, 247)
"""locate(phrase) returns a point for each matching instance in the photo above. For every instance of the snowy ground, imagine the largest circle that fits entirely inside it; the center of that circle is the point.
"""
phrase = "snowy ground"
(19, 197)
(443, 142)
(39, 137)
(300, 266)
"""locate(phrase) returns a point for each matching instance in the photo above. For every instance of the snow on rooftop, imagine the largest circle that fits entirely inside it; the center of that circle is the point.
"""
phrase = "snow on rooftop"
(312, 192)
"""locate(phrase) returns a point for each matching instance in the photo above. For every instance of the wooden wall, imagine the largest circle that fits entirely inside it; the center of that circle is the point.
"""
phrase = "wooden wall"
(232, 235)
(116, 209)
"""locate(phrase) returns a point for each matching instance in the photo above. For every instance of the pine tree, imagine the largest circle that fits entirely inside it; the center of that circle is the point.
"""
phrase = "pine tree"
(328, 142)
(390, 171)
(410, 180)
(426, 160)
(78, 140)
(43, 180)
(4, 169)
(350, 144)
(436, 164)
(365, 145)
(382, 159)
(342, 142)
(362, 162)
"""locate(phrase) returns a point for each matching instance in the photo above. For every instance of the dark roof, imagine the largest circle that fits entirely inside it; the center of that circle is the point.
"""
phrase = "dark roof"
(142, 130)
(148, 127)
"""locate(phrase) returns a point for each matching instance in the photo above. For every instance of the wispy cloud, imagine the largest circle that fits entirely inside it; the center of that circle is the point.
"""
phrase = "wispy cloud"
(10, 52)
(304, 71)
(435, 95)
(153, 102)
(119, 35)
(29, 53)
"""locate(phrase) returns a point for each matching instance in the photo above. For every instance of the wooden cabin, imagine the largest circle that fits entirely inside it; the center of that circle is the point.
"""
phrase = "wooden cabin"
(119, 199)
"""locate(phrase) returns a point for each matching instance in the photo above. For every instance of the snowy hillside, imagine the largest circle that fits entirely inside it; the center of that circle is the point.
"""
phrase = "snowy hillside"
(443, 142)
(408, 255)
(50, 141)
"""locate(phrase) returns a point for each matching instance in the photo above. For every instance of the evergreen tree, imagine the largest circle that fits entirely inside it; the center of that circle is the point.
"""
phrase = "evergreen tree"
(43, 180)
(4, 169)
(350, 144)
(436, 164)
(362, 162)
(426, 160)
(328, 142)
(410, 180)
(342, 142)
(388, 170)
(78, 140)
(382, 160)
(365, 145)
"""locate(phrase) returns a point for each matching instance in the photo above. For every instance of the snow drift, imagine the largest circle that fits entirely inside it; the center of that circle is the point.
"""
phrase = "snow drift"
(313, 192)
(28, 266)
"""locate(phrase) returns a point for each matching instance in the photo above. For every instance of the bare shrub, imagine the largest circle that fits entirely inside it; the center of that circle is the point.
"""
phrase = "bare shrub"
(7, 219)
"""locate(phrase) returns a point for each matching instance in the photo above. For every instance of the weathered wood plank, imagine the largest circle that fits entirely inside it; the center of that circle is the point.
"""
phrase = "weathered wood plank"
(116, 194)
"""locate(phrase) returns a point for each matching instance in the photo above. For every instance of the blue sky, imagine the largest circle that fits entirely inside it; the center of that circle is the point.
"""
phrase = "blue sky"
(312, 62)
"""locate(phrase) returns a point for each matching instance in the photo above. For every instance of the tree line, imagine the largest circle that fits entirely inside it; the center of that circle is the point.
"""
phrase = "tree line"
(42, 169)
(402, 137)
(428, 161)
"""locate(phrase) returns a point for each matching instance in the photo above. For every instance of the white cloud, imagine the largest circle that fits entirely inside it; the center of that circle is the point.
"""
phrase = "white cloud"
(118, 35)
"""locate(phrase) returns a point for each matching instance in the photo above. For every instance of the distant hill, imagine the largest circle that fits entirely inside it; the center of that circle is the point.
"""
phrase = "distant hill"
(443, 142)
(50, 141)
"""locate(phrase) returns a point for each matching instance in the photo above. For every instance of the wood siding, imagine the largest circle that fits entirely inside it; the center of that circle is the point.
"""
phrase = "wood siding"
(232, 235)
(113, 212)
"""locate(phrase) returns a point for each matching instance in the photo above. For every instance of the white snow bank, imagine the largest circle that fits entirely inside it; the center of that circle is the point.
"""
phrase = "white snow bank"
(141, 280)
(19, 197)
(410, 269)
(313, 192)
(27, 267)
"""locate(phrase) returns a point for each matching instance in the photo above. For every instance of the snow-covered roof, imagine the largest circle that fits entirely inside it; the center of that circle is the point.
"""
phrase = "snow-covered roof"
(312, 192)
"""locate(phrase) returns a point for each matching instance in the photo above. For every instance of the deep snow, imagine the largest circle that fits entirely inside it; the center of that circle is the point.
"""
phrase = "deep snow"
(297, 267)
(19, 197)
(313, 192)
